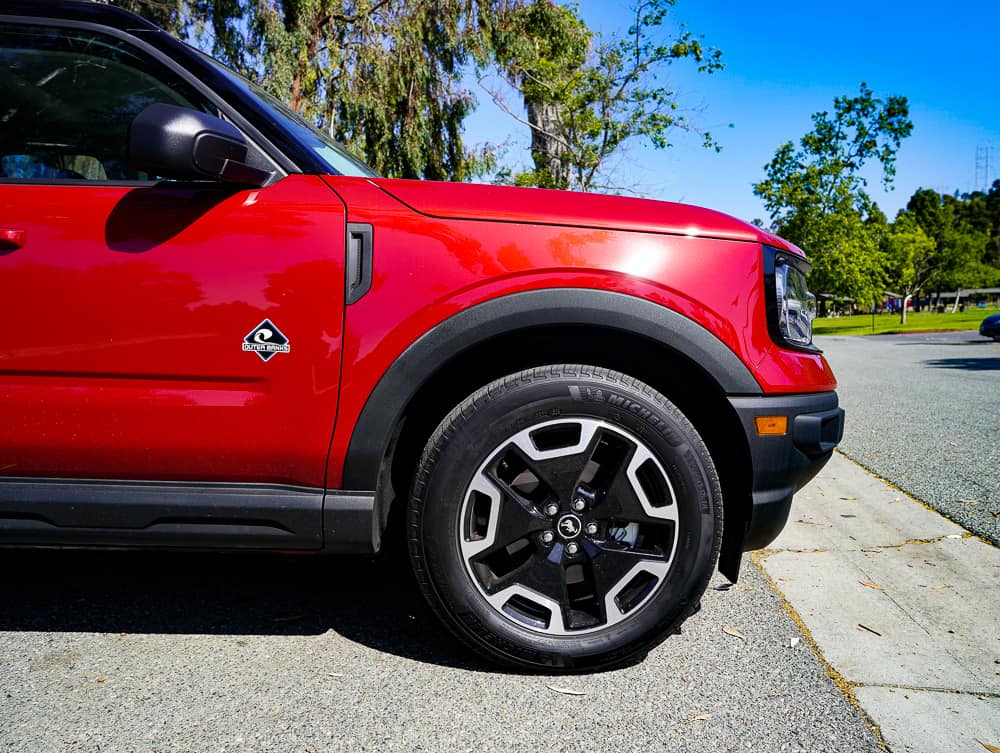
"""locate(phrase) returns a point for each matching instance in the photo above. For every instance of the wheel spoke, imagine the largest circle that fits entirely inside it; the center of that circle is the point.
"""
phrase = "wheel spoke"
(545, 576)
(619, 572)
(537, 592)
(641, 492)
(558, 469)
(508, 521)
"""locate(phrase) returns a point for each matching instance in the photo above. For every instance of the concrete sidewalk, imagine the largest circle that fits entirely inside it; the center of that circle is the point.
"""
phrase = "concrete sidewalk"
(902, 603)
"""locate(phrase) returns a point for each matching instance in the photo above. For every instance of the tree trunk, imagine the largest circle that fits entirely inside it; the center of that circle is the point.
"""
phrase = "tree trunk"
(958, 297)
(902, 314)
(546, 152)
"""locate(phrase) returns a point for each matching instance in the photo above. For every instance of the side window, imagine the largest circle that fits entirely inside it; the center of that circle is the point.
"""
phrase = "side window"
(68, 98)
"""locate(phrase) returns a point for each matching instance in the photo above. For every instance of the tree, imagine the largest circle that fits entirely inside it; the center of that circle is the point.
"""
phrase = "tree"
(844, 248)
(382, 76)
(815, 193)
(546, 48)
(965, 231)
(910, 258)
(172, 15)
(586, 99)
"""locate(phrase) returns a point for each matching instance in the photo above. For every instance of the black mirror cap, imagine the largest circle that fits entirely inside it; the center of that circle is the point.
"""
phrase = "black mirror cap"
(184, 144)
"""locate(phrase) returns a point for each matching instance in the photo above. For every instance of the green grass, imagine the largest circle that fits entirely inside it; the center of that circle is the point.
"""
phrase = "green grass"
(861, 324)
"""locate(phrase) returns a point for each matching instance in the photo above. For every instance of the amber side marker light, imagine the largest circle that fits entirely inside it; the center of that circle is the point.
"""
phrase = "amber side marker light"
(771, 426)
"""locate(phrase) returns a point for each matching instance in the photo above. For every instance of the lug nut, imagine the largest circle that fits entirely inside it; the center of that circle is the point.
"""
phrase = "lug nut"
(547, 537)
(551, 509)
(579, 504)
(591, 529)
(572, 548)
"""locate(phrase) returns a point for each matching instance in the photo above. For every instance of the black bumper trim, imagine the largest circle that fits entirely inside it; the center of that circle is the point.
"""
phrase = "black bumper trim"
(784, 464)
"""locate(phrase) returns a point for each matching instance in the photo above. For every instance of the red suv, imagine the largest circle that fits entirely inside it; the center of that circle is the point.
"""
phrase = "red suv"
(223, 331)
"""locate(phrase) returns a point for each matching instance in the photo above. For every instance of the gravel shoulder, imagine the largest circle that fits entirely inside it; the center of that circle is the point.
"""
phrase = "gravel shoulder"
(121, 652)
(923, 411)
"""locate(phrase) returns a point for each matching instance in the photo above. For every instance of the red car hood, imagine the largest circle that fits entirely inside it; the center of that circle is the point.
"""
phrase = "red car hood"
(546, 207)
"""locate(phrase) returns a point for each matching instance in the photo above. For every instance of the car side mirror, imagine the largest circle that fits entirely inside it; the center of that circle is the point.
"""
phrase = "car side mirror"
(184, 144)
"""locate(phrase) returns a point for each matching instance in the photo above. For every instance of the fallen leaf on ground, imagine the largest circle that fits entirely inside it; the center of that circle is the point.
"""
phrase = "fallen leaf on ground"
(940, 586)
(870, 630)
(793, 642)
(869, 584)
(702, 717)
(566, 691)
(101, 679)
(334, 674)
(848, 499)
(733, 632)
(990, 748)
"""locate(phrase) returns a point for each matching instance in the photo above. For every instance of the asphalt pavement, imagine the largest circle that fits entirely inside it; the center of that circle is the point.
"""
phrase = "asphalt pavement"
(923, 411)
(142, 652)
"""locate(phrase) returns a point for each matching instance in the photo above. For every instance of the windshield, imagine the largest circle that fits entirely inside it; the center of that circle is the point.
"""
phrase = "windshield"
(334, 155)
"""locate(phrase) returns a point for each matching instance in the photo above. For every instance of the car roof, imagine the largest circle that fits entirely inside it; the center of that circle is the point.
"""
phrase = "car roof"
(77, 10)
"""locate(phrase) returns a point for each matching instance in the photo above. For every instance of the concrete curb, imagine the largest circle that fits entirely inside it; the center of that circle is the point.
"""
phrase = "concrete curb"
(901, 604)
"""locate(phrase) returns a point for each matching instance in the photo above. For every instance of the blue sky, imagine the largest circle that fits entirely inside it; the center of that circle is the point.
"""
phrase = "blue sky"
(787, 60)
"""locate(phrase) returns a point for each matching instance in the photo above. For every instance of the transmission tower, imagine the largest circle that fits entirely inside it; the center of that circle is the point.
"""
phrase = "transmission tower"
(986, 166)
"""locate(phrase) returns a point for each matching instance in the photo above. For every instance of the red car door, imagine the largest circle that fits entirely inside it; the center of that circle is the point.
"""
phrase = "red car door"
(153, 331)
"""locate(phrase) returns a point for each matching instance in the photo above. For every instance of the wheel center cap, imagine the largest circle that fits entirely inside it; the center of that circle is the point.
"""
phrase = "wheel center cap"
(569, 526)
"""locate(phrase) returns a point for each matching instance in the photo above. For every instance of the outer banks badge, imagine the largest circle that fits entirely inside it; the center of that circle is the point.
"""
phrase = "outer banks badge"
(265, 340)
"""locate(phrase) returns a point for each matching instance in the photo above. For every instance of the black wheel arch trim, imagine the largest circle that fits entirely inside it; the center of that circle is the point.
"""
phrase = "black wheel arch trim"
(388, 401)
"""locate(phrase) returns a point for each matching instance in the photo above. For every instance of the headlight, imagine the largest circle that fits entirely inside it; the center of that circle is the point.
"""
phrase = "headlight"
(791, 308)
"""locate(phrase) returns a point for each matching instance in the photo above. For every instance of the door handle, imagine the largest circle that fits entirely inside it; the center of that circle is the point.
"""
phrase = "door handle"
(10, 239)
(359, 261)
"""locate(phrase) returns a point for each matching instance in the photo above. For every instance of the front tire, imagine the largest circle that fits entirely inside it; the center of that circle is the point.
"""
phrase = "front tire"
(566, 517)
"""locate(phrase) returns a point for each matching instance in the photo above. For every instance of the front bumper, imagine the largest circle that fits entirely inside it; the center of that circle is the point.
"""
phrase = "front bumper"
(784, 464)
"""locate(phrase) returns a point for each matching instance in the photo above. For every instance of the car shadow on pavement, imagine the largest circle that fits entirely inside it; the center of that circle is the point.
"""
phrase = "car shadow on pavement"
(373, 601)
(912, 339)
(966, 364)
